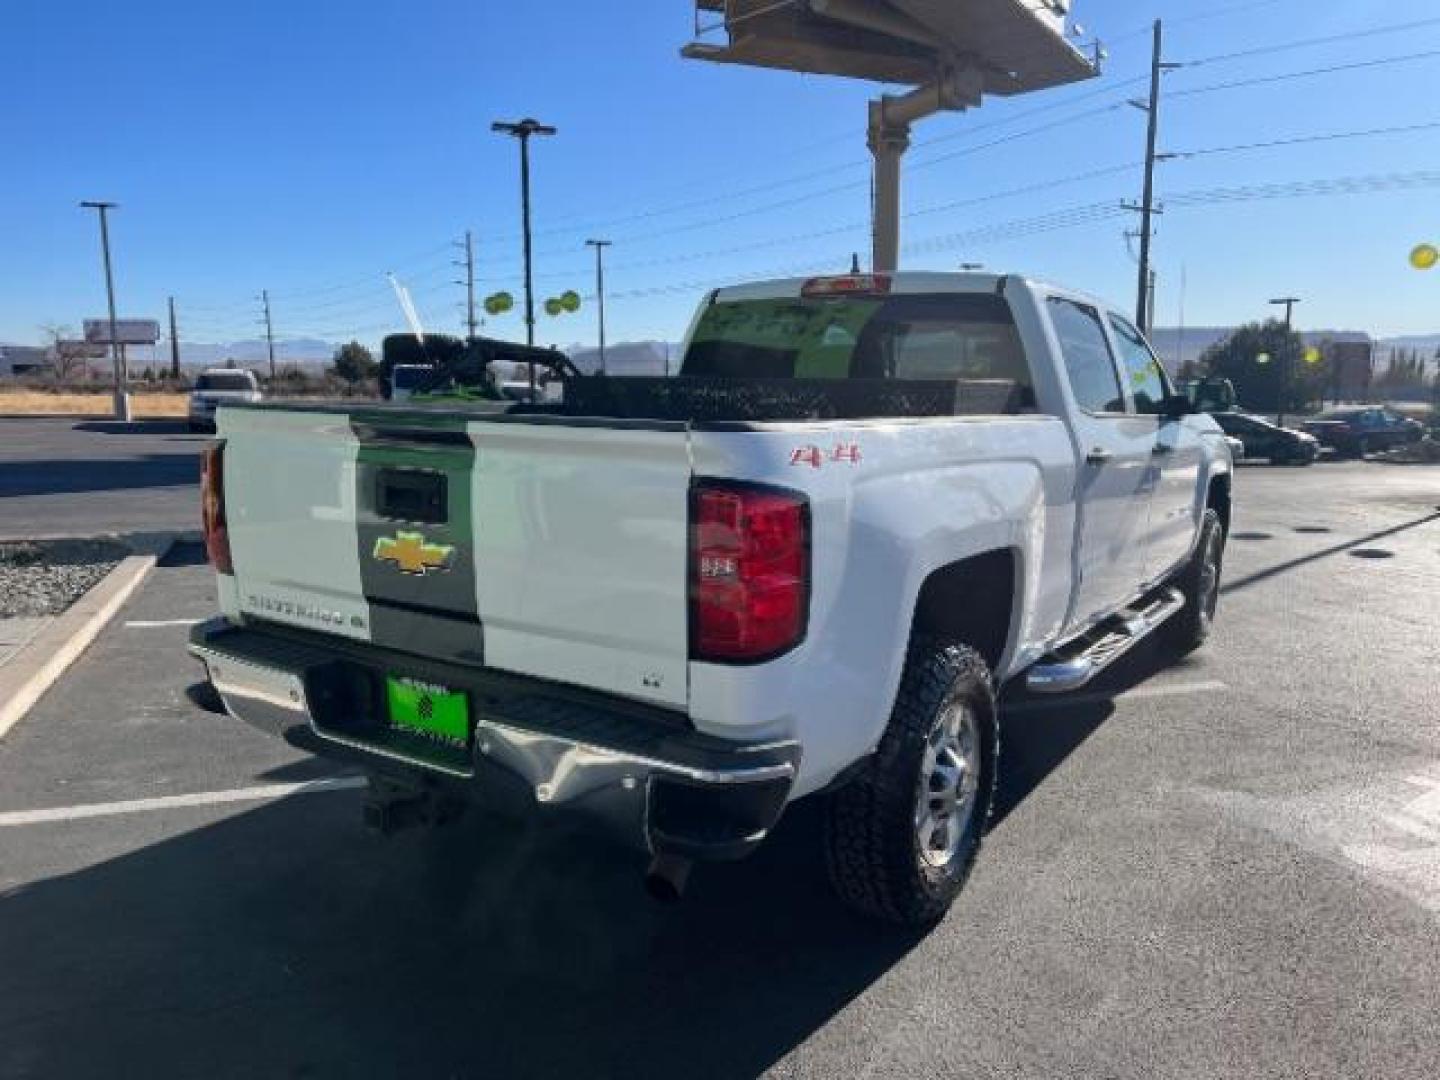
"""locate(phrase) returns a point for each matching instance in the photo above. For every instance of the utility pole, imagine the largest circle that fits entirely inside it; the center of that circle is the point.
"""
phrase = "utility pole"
(469, 282)
(174, 343)
(117, 358)
(522, 130)
(600, 246)
(269, 331)
(1289, 303)
(1158, 67)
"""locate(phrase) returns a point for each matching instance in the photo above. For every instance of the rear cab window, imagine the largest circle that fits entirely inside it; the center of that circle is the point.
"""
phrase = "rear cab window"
(969, 339)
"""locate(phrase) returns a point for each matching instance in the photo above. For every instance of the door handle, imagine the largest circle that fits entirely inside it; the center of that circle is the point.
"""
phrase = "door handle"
(1098, 456)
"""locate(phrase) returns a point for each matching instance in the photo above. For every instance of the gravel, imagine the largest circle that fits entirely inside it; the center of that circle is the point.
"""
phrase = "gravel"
(44, 577)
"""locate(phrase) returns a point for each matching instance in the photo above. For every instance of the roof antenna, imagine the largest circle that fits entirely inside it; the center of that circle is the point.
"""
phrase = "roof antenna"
(854, 262)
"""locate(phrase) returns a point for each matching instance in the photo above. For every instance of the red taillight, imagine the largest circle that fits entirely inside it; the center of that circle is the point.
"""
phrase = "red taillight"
(750, 571)
(212, 507)
(848, 285)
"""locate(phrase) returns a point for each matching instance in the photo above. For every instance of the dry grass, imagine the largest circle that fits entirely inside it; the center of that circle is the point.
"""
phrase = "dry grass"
(40, 403)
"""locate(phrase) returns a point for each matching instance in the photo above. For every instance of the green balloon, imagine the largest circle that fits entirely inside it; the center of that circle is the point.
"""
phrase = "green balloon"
(499, 303)
(553, 307)
(570, 300)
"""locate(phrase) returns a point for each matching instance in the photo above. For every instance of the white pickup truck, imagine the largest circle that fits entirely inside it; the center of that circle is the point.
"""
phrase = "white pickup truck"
(802, 567)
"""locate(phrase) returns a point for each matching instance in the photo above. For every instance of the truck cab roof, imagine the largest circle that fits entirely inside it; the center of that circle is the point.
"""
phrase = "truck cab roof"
(915, 282)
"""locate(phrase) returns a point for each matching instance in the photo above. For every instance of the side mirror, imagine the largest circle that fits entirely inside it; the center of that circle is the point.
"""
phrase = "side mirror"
(1177, 407)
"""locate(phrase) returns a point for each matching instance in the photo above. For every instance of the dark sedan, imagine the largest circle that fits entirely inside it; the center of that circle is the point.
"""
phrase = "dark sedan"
(1357, 432)
(1262, 439)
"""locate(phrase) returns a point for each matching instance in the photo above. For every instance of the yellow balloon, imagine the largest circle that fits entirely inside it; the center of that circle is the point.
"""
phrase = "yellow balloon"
(1425, 257)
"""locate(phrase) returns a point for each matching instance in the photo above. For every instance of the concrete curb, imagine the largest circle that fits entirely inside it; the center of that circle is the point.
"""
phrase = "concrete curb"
(36, 667)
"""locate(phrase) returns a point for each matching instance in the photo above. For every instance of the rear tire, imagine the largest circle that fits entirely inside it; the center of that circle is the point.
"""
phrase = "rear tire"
(901, 837)
(1187, 630)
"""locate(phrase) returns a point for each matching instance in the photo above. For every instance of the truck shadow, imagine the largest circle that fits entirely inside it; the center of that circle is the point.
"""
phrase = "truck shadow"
(141, 426)
(1039, 732)
(73, 476)
(285, 941)
(1359, 548)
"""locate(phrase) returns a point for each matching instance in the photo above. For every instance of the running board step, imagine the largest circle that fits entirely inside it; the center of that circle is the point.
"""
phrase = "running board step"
(1074, 665)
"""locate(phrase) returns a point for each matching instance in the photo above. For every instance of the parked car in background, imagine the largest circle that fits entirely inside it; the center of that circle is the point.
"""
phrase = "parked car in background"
(220, 386)
(1360, 431)
(1262, 439)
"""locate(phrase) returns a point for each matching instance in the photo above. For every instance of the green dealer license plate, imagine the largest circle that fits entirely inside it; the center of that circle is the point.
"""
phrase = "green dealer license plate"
(435, 712)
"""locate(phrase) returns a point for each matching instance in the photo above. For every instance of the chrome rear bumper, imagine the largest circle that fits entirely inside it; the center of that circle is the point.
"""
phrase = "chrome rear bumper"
(682, 791)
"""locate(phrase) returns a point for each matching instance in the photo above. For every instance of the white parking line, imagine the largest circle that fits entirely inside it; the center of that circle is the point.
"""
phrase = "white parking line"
(1386, 828)
(170, 802)
(148, 624)
(1140, 693)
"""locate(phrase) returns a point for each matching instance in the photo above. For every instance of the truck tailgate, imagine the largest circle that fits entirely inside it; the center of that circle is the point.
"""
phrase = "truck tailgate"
(544, 549)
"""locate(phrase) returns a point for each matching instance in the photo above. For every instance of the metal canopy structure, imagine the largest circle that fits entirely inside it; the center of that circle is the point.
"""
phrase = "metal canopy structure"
(953, 52)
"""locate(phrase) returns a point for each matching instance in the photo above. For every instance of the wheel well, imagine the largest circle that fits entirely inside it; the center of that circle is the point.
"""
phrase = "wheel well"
(1218, 499)
(973, 601)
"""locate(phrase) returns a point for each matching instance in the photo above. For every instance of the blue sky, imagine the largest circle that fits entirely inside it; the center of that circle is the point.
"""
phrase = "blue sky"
(307, 148)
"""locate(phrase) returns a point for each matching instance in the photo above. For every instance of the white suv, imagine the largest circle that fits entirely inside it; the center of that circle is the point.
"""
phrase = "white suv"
(216, 387)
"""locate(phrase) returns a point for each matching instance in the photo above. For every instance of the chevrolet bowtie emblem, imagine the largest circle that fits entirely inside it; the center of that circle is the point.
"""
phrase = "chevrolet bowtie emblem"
(412, 553)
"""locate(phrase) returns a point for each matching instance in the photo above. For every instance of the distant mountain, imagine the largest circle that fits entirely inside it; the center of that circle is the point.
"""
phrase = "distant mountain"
(1426, 343)
(628, 358)
(304, 352)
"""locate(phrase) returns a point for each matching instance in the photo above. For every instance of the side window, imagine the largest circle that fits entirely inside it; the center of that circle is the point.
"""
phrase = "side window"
(1086, 353)
(1142, 370)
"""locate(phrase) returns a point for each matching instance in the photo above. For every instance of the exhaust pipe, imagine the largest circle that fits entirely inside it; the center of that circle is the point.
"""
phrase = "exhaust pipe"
(666, 877)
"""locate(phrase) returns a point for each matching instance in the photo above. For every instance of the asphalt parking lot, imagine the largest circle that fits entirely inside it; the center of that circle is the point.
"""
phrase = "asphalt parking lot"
(1226, 868)
(63, 477)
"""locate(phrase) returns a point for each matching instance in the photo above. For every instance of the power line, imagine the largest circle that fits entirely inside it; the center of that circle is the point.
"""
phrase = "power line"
(1298, 140)
(290, 294)
(1307, 73)
(1088, 214)
(1342, 185)
(1307, 43)
(856, 225)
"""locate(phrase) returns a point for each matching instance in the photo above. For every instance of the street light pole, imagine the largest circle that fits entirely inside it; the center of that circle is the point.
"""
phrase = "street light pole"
(269, 331)
(1289, 303)
(522, 130)
(600, 246)
(122, 397)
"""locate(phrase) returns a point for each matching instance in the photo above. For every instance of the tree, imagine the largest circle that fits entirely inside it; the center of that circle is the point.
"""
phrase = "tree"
(1257, 357)
(68, 356)
(354, 364)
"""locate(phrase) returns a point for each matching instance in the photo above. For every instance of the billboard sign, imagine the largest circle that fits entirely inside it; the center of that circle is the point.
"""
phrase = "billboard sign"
(127, 331)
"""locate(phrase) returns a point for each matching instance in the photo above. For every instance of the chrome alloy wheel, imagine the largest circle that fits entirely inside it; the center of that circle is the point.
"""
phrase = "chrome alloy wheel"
(1208, 593)
(949, 779)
